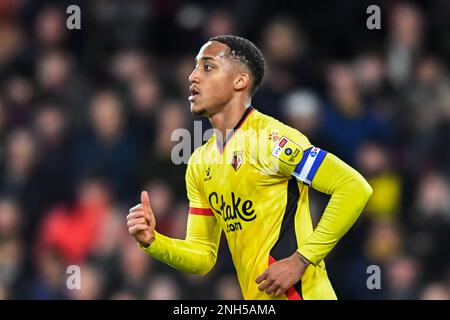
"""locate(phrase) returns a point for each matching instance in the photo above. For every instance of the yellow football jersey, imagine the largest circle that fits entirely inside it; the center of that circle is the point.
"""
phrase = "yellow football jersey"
(255, 190)
(259, 205)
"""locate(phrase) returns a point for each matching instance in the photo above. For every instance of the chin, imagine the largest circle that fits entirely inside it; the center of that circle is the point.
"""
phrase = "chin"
(197, 110)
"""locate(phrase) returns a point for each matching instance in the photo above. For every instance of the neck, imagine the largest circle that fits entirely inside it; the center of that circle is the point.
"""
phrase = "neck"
(224, 121)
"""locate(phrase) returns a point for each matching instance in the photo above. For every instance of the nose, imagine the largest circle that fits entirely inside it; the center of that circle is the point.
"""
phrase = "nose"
(193, 77)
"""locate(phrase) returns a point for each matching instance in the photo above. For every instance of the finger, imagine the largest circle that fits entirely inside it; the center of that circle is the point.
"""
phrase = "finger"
(133, 222)
(140, 214)
(134, 215)
(262, 277)
(272, 288)
(137, 228)
(265, 284)
(279, 292)
(135, 208)
(145, 199)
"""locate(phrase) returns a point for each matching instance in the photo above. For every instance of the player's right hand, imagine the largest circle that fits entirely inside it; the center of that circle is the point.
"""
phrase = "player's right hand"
(141, 221)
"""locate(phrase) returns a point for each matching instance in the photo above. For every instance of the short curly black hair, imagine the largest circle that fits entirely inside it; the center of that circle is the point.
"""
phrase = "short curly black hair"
(248, 53)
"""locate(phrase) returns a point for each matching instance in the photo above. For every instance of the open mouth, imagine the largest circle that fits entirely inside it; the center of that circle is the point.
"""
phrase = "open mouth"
(194, 93)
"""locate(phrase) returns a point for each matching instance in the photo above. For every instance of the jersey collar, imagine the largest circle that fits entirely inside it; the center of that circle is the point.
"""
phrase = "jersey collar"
(244, 117)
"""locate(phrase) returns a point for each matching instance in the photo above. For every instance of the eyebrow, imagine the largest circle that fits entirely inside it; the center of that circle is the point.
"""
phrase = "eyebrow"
(205, 59)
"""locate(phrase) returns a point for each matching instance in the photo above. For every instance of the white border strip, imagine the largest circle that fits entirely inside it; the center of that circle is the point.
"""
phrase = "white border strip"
(308, 165)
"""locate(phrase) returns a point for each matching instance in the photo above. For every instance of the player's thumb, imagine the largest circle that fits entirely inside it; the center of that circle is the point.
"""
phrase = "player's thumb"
(145, 200)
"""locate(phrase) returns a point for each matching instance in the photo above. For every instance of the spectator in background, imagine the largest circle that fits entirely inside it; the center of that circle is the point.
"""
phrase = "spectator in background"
(370, 75)
(406, 32)
(178, 228)
(426, 116)
(92, 284)
(164, 201)
(138, 268)
(403, 278)
(347, 119)
(145, 99)
(302, 110)
(49, 28)
(430, 222)
(163, 287)
(54, 67)
(57, 79)
(122, 24)
(427, 96)
(286, 51)
(108, 146)
(12, 48)
(435, 291)
(219, 21)
(3, 127)
(11, 220)
(171, 117)
(433, 198)
(71, 231)
(19, 175)
(52, 134)
(12, 253)
(128, 65)
(18, 97)
(4, 294)
(384, 242)
(123, 294)
(227, 288)
(49, 280)
(376, 164)
(107, 250)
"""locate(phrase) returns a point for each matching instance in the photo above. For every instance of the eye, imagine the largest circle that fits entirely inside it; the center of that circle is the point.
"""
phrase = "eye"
(208, 67)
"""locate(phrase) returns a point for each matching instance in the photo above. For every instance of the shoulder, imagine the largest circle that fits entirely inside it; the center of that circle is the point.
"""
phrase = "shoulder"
(277, 130)
(263, 120)
(200, 156)
(202, 151)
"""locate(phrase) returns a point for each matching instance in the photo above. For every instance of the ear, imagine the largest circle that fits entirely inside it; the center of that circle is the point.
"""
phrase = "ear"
(242, 81)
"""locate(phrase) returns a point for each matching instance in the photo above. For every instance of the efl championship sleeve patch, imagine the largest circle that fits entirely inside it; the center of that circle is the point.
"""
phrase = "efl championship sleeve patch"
(287, 151)
(308, 166)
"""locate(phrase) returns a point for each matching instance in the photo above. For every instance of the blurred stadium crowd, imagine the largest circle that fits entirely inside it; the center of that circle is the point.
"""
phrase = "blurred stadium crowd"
(86, 118)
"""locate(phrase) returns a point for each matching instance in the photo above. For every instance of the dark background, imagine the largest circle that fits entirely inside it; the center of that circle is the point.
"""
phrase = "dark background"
(86, 118)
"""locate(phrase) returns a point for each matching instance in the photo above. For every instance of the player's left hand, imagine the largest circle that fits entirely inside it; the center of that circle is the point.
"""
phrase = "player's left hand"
(282, 275)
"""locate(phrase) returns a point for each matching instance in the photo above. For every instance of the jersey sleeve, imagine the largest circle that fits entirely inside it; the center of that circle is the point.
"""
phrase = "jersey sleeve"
(294, 155)
(197, 202)
(197, 253)
(289, 152)
(349, 194)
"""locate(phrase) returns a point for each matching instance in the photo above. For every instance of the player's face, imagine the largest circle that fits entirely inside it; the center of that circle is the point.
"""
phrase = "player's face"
(212, 79)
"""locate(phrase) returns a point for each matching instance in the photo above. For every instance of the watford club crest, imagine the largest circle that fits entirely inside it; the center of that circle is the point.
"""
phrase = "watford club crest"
(237, 160)
(274, 136)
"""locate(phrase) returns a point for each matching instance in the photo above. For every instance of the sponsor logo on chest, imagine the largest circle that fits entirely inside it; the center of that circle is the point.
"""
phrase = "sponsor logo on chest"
(233, 213)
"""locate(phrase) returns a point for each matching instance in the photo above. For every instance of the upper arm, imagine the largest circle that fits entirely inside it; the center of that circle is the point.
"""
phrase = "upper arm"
(202, 224)
(294, 155)
(334, 173)
(289, 153)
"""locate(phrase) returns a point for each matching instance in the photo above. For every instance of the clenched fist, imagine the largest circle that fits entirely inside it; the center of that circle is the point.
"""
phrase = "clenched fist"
(141, 221)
